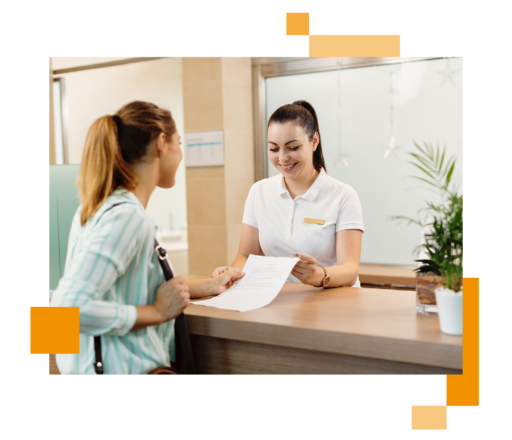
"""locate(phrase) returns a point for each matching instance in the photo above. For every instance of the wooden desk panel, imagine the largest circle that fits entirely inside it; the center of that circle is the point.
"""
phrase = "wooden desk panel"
(231, 373)
(387, 275)
(331, 331)
(362, 323)
(322, 346)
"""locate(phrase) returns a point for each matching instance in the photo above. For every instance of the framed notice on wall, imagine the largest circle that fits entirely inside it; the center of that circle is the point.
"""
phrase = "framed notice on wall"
(204, 149)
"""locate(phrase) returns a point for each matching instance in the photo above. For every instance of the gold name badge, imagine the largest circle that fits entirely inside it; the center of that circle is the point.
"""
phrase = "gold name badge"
(315, 221)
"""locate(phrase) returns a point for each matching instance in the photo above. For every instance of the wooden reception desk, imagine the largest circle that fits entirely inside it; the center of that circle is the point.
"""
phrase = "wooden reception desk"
(322, 331)
(389, 276)
(334, 331)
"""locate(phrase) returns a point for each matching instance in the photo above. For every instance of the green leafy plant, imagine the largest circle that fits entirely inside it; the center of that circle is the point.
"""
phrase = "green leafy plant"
(443, 242)
(428, 267)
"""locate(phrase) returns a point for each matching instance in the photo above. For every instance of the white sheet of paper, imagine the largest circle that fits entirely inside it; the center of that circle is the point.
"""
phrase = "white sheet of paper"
(264, 278)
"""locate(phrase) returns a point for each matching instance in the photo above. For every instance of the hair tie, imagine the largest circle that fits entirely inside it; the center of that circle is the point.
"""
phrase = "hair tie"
(117, 120)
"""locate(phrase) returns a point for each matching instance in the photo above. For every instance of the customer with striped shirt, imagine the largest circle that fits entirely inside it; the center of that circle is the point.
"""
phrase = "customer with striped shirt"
(112, 273)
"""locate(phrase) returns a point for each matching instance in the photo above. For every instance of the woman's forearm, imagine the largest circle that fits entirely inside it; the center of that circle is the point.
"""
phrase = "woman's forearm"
(146, 316)
(239, 261)
(200, 288)
(345, 275)
(215, 285)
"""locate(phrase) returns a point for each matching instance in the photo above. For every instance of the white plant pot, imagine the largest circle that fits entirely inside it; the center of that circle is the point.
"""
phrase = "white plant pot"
(449, 305)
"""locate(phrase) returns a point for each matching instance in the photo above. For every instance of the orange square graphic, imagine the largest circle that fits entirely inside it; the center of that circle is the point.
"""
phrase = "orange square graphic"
(52, 330)
(297, 24)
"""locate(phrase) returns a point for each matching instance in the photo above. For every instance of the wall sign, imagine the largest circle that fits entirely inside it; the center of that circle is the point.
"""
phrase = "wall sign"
(204, 148)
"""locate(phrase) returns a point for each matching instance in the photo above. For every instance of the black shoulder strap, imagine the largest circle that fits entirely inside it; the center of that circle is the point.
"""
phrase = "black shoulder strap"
(180, 325)
(98, 365)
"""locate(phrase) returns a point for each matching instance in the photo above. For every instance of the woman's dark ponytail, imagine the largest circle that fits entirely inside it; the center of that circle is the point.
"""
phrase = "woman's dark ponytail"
(304, 115)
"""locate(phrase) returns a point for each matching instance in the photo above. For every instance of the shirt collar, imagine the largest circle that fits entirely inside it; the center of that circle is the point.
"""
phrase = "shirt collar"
(314, 189)
(281, 187)
(126, 196)
(131, 196)
(311, 193)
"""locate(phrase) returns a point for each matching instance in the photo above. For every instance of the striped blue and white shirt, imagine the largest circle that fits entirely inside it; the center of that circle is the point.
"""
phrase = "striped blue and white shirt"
(111, 267)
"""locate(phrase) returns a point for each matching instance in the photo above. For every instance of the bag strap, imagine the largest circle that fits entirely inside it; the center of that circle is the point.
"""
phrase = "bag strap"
(98, 365)
(180, 325)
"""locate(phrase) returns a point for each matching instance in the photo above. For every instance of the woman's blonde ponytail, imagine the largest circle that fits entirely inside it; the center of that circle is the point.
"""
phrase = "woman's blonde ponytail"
(102, 168)
(114, 144)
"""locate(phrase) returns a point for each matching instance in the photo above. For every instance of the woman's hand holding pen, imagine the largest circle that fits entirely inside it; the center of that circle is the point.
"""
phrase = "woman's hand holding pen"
(172, 297)
(307, 270)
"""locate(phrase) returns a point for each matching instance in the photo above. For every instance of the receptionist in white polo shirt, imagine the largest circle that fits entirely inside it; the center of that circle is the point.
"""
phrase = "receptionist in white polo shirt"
(302, 211)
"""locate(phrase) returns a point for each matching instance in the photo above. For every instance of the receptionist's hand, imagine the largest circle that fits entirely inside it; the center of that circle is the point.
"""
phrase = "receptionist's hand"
(307, 270)
(226, 279)
(220, 270)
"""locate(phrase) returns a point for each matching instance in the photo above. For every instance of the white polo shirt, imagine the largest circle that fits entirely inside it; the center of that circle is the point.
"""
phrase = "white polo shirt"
(280, 218)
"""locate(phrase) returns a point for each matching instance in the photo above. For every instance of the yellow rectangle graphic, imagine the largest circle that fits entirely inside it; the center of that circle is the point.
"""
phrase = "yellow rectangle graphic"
(54, 330)
(315, 221)
(429, 417)
(354, 45)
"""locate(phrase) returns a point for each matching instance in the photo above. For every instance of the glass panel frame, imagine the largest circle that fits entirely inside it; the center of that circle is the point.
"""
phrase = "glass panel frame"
(60, 118)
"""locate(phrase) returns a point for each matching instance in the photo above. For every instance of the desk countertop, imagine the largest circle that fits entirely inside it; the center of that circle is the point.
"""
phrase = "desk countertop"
(372, 323)
(388, 275)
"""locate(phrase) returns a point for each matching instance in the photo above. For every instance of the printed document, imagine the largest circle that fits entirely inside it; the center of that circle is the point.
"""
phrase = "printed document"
(264, 278)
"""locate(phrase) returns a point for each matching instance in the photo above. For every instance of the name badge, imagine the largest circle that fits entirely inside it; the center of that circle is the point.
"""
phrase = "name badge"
(315, 221)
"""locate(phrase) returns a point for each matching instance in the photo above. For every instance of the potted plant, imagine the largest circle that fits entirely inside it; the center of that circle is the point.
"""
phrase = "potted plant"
(428, 279)
(448, 230)
(443, 222)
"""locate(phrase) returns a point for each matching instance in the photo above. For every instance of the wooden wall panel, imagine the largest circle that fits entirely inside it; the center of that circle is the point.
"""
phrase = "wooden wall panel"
(217, 96)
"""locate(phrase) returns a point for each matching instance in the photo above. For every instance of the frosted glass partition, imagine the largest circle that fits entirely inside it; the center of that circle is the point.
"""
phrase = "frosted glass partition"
(63, 205)
(360, 110)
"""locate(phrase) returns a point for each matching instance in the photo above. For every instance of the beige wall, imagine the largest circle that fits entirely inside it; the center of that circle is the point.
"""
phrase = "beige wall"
(97, 92)
(217, 95)
(203, 94)
(94, 93)
(52, 128)
(239, 144)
